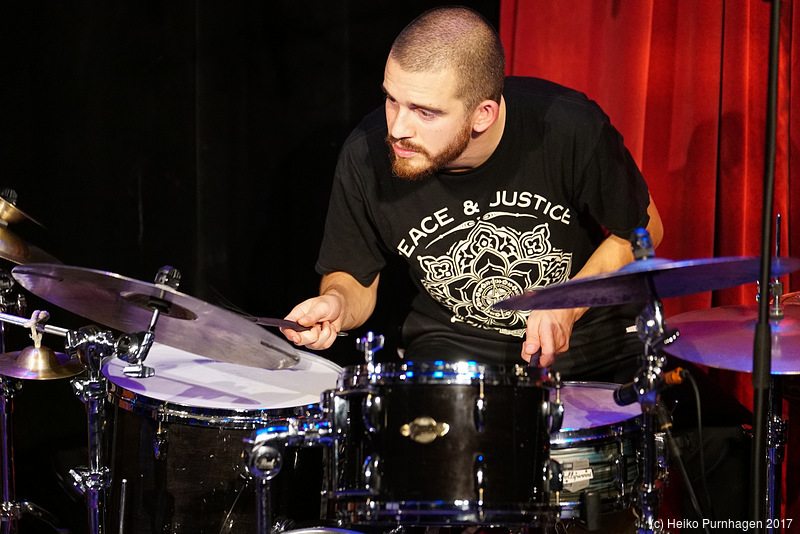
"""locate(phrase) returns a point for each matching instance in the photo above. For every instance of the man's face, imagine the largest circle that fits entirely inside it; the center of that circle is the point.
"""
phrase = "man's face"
(428, 127)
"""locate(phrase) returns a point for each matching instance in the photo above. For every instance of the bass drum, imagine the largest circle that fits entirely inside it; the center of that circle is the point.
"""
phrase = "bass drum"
(440, 443)
(177, 443)
(597, 449)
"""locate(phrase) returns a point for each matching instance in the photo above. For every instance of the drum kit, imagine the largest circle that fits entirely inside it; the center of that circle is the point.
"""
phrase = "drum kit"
(201, 420)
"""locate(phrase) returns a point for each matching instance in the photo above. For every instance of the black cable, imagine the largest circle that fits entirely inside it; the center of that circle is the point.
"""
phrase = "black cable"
(703, 479)
(666, 424)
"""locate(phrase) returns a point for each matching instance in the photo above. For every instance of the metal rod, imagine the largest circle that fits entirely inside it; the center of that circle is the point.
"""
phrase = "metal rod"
(762, 345)
(46, 328)
(7, 455)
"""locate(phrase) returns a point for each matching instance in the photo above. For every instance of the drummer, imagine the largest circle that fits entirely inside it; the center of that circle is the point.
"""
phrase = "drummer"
(487, 186)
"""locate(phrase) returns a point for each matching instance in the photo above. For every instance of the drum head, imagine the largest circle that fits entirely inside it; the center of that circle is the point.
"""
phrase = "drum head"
(591, 404)
(185, 379)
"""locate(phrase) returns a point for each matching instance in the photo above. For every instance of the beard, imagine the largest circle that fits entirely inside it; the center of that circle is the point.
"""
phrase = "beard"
(410, 170)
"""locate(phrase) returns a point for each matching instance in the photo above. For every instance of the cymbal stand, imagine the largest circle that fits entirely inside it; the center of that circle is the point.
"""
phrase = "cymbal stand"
(646, 386)
(94, 346)
(11, 511)
(777, 427)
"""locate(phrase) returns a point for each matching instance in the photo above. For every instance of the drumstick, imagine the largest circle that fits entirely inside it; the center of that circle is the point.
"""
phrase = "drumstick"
(534, 361)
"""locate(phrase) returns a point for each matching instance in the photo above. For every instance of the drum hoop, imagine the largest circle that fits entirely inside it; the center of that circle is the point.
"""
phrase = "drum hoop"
(573, 438)
(444, 373)
(427, 513)
(171, 412)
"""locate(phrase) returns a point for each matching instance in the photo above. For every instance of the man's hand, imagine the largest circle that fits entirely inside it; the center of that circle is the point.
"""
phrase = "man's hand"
(323, 315)
(343, 304)
(548, 331)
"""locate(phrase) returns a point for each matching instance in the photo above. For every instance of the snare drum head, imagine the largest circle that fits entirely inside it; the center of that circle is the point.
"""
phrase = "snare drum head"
(189, 380)
(591, 404)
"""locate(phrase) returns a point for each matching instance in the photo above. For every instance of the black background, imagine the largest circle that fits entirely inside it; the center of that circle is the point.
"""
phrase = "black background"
(201, 135)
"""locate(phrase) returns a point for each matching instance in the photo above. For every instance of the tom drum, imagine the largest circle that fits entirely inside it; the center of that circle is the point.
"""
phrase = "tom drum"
(178, 442)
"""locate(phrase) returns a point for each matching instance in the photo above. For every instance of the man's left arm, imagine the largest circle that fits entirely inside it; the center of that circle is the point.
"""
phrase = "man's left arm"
(550, 330)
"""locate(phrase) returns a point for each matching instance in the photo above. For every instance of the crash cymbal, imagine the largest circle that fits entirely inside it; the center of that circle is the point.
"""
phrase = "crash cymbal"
(630, 284)
(10, 213)
(38, 364)
(723, 338)
(15, 249)
(185, 322)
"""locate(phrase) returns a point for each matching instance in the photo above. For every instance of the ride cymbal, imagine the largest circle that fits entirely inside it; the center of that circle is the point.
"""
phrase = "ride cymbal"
(184, 323)
(723, 338)
(632, 282)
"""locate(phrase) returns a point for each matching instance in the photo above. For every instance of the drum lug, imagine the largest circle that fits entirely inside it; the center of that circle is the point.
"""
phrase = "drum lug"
(555, 478)
(480, 482)
(555, 411)
(621, 470)
(371, 473)
(662, 452)
(372, 413)
(480, 414)
(160, 443)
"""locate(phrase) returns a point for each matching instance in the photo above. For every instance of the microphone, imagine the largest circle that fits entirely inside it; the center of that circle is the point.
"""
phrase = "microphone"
(628, 394)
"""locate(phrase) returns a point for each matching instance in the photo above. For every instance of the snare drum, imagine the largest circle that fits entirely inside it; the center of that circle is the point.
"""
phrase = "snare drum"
(440, 443)
(597, 448)
(178, 442)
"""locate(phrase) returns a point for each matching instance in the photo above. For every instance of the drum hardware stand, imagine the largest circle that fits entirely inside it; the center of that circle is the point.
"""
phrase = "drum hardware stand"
(93, 346)
(11, 511)
(265, 459)
(646, 386)
(134, 348)
(265, 455)
(776, 426)
(369, 345)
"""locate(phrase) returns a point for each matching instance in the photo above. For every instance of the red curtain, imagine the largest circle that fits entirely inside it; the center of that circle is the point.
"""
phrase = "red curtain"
(685, 82)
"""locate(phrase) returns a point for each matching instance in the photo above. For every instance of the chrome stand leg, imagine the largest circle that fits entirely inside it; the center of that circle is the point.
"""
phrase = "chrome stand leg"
(776, 436)
(92, 481)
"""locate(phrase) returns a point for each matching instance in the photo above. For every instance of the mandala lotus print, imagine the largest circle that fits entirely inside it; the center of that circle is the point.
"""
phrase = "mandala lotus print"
(491, 264)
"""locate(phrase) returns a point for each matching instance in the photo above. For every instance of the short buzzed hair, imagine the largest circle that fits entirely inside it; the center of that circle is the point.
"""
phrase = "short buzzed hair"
(460, 38)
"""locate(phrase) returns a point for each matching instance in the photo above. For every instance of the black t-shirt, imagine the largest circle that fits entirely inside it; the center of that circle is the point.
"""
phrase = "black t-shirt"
(530, 216)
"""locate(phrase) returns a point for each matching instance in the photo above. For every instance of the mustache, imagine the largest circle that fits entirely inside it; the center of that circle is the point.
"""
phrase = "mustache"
(406, 144)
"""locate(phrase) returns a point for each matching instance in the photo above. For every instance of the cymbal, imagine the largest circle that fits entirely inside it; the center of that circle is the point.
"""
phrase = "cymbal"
(15, 249)
(10, 213)
(630, 283)
(38, 364)
(185, 323)
(723, 338)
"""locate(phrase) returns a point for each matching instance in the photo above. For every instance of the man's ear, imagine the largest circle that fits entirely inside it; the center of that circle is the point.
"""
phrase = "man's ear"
(485, 115)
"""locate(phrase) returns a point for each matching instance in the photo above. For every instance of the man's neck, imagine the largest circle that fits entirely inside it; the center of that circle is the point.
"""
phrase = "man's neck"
(483, 144)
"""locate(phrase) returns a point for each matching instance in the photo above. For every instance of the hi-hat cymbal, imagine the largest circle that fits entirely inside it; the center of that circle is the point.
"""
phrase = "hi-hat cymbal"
(15, 249)
(631, 283)
(723, 338)
(38, 364)
(185, 323)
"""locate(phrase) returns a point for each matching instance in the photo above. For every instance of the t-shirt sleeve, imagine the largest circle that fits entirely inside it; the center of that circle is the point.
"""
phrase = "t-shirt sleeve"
(350, 240)
(611, 186)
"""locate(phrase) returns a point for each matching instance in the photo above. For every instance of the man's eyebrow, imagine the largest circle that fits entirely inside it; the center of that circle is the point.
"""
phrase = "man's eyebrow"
(415, 106)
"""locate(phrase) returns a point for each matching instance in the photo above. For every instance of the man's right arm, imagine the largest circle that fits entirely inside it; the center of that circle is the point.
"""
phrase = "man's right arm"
(343, 304)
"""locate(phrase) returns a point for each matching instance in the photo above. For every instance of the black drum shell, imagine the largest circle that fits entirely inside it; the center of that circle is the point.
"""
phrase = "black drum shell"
(498, 432)
(189, 478)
